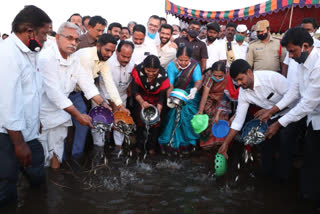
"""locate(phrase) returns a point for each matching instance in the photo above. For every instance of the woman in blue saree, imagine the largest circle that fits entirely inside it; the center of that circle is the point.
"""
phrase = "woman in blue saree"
(183, 73)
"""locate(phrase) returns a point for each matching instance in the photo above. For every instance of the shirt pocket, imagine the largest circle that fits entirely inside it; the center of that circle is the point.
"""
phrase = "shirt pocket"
(274, 97)
(260, 53)
(70, 83)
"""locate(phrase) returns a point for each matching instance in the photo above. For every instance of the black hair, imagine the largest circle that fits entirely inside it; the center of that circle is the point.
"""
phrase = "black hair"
(239, 66)
(166, 26)
(125, 43)
(310, 20)
(106, 38)
(213, 26)
(185, 30)
(114, 24)
(139, 28)
(75, 14)
(177, 26)
(231, 24)
(218, 66)
(296, 36)
(125, 28)
(155, 17)
(163, 19)
(30, 16)
(183, 49)
(151, 61)
(94, 20)
(195, 22)
(84, 19)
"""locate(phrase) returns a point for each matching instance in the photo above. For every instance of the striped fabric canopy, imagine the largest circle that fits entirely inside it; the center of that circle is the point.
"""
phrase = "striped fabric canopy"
(254, 11)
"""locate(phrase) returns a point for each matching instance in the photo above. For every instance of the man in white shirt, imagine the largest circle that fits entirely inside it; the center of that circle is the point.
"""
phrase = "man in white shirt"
(263, 89)
(142, 48)
(61, 72)
(153, 26)
(216, 48)
(310, 25)
(166, 49)
(20, 97)
(299, 44)
(240, 46)
(95, 61)
(120, 67)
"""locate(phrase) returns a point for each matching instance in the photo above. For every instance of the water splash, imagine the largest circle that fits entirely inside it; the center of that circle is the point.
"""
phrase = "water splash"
(166, 164)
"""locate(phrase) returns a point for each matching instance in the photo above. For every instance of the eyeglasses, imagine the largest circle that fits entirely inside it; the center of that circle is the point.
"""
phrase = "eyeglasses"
(70, 38)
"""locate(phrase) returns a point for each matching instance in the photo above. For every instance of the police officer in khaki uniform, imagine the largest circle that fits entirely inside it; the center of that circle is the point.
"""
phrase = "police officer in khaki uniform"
(266, 52)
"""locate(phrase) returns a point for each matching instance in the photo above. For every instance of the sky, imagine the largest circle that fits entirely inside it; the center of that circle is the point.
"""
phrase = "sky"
(121, 11)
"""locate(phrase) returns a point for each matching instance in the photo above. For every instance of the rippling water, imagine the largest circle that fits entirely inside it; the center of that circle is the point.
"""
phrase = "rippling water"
(157, 185)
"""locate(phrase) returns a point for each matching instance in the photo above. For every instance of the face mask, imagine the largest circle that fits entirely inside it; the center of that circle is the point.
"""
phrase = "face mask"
(184, 67)
(262, 36)
(175, 36)
(311, 34)
(239, 38)
(137, 46)
(303, 57)
(217, 80)
(152, 35)
(193, 33)
(34, 45)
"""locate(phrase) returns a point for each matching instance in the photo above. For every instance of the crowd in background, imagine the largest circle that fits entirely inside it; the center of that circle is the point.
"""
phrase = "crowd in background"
(51, 80)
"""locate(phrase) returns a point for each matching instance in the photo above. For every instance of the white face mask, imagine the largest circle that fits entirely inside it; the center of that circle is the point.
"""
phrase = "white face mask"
(175, 36)
(137, 46)
(311, 34)
(184, 67)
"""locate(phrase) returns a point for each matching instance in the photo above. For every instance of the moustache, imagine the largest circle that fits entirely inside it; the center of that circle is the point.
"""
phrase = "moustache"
(72, 46)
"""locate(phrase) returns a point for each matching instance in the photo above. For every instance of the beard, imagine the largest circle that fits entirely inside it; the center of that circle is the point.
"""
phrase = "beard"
(102, 58)
(211, 39)
(164, 40)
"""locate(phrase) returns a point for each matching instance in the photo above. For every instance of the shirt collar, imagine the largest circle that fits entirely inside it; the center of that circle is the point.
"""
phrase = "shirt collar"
(20, 44)
(257, 81)
(95, 53)
(310, 61)
(61, 60)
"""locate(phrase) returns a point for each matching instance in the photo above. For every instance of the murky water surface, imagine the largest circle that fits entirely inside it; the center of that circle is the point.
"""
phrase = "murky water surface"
(158, 185)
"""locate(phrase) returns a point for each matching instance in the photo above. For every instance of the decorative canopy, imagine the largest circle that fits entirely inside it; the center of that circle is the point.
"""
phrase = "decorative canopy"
(307, 8)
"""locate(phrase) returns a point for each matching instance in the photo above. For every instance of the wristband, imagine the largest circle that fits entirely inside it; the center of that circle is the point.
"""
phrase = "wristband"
(102, 103)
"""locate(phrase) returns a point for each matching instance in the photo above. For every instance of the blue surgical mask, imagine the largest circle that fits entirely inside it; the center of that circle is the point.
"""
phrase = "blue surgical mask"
(217, 80)
(152, 35)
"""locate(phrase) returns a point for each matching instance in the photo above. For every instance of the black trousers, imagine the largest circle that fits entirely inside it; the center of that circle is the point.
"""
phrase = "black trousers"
(9, 168)
(310, 171)
(278, 152)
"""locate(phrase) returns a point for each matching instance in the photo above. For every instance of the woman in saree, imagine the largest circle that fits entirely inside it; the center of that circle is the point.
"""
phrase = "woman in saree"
(183, 73)
(149, 86)
(218, 92)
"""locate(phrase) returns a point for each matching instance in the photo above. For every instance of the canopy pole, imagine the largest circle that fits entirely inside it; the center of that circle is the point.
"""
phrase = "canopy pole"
(291, 16)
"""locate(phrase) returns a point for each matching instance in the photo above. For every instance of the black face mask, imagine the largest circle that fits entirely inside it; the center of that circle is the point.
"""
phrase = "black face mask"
(303, 57)
(262, 36)
(34, 45)
(193, 33)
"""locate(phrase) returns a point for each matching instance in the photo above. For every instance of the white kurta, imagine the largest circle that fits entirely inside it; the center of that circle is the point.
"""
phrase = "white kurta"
(60, 77)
